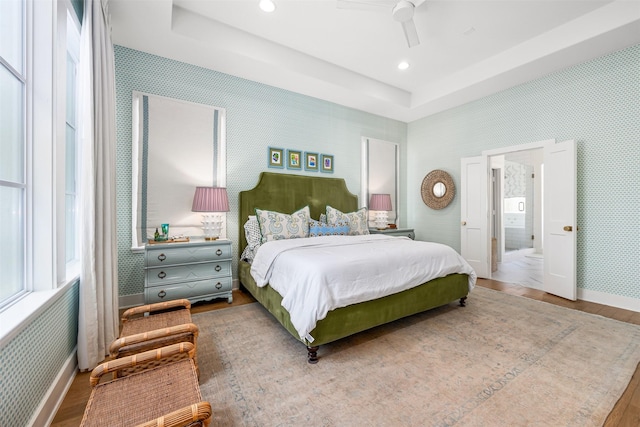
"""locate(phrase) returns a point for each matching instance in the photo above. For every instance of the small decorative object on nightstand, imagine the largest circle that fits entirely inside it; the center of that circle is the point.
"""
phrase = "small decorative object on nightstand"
(381, 204)
(407, 232)
(197, 270)
(211, 199)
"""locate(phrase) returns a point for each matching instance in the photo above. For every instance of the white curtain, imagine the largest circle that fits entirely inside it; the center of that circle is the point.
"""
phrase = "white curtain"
(98, 311)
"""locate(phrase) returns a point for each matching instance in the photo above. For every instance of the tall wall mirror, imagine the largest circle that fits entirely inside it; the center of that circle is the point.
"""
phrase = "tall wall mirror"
(380, 174)
(177, 145)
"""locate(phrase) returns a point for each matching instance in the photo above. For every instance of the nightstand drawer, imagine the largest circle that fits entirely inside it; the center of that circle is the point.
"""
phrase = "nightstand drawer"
(200, 289)
(186, 254)
(158, 275)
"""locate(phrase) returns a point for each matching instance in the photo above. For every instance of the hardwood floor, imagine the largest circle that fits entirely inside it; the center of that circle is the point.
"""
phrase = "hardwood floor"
(626, 412)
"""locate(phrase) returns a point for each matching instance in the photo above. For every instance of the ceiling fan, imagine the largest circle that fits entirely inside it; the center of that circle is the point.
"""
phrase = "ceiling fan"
(401, 11)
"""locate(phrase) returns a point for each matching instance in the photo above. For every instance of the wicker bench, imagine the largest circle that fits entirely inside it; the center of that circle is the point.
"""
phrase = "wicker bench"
(167, 395)
(153, 326)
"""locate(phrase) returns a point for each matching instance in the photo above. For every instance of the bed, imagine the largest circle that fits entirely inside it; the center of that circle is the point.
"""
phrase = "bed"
(287, 193)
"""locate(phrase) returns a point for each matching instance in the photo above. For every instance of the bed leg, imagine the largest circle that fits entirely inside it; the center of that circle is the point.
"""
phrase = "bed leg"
(463, 301)
(312, 354)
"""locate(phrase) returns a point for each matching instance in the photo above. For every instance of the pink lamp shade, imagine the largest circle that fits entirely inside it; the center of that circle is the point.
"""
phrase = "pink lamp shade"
(210, 199)
(380, 202)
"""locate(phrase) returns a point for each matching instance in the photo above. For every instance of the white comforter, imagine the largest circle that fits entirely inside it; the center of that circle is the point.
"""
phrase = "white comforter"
(320, 274)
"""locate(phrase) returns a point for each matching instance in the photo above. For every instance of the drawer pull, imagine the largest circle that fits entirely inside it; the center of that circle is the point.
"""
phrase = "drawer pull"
(162, 294)
(162, 275)
(162, 257)
(218, 285)
(219, 252)
(218, 268)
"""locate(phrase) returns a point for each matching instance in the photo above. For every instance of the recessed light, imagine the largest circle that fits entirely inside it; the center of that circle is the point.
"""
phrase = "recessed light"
(267, 6)
(403, 65)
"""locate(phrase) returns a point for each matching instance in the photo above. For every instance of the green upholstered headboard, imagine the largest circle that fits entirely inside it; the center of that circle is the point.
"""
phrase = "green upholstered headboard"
(287, 193)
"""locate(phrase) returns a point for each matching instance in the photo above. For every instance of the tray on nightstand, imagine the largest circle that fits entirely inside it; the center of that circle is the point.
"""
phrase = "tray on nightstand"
(174, 240)
(406, 232)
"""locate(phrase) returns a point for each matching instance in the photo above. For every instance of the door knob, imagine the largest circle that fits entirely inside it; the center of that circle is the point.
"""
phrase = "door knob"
(464, 222)
(567, 228)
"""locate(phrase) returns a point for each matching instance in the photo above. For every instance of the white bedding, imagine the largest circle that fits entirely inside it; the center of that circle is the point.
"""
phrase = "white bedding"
(319, 274)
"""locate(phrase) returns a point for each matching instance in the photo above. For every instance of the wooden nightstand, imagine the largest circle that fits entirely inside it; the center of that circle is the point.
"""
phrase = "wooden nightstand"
(197, 270)
(407, 232)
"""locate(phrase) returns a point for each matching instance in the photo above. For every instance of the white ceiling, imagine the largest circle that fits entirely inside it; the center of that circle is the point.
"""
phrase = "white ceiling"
(468, 49)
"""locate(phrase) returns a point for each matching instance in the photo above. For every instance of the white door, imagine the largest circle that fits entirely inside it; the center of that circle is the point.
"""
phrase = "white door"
(560, 219)
(474, 240)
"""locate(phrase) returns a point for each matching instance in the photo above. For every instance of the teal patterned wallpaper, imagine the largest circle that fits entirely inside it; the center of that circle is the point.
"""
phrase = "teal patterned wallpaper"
(30, 362)
(258, 116)
(597, 103)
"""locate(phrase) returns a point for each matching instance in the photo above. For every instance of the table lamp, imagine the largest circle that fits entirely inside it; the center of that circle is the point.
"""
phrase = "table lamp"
(214, 200)
(381, 204)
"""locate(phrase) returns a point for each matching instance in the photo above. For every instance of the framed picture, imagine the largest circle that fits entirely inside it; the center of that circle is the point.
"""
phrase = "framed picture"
(276, 157)
(311, 162)
(326, 163)
(294, 159)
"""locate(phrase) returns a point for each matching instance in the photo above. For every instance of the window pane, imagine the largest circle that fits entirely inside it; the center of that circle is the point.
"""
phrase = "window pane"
(11, 127)
(71, 91)
(70, 226)
(11, 39)
(70, 161)
(12, 250)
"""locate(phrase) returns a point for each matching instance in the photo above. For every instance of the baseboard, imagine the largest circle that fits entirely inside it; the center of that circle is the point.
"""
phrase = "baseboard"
(127, 301)
(617, 301)
(46, 411)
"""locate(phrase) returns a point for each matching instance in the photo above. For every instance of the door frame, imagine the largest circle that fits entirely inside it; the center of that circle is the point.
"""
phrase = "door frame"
(564, 256)
(486, 155)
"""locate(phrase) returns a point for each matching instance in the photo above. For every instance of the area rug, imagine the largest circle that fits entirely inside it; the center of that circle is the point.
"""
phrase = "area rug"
(502, 360)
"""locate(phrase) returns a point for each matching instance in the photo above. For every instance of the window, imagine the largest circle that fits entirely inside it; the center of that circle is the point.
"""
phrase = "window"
(13, 151)
(38, 155)
(71, 167)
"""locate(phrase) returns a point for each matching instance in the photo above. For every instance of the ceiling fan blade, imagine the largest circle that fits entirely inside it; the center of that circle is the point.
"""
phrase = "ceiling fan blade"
(374, 5)
(411, 33)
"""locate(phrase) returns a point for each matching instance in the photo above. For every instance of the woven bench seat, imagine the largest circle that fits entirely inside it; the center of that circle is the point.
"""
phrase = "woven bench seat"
(167, 395)
(152, 326)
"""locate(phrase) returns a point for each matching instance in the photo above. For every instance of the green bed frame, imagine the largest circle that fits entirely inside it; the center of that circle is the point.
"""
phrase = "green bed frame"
(287, 193)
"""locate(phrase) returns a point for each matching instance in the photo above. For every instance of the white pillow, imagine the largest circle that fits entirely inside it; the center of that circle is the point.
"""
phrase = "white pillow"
(279, 226)
(357, 220)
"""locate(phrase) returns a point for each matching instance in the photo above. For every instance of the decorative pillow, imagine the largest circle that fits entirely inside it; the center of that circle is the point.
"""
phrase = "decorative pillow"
(357, 220)
(253, 236)
(248, 254)
(317, 229)
(279, 226)
(323, 218)
(252, 232)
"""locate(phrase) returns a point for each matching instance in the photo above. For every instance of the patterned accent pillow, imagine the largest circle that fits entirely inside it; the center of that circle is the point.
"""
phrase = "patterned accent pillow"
(248, 254)
(357, 220)
(317, 229)
(253, 236)
(279, 226)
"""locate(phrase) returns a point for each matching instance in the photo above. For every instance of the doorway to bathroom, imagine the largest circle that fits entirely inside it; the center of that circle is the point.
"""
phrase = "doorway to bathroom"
(517, 254)
(558, 214)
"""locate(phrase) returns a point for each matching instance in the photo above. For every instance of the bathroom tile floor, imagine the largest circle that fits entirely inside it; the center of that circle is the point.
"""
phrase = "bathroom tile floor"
(522, 267)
